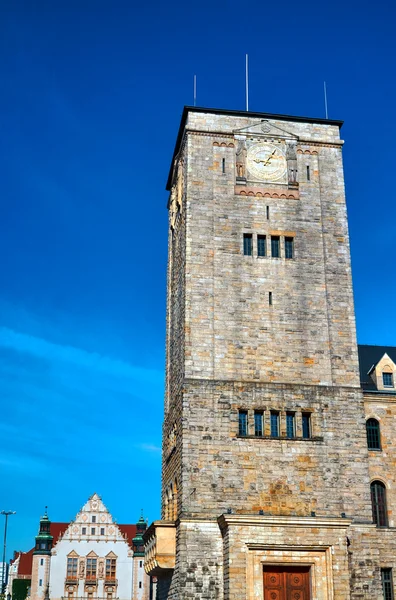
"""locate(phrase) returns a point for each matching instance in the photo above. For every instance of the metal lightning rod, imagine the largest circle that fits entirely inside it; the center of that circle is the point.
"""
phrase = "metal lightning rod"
(325, 99)
(195, 90)
(247, 82)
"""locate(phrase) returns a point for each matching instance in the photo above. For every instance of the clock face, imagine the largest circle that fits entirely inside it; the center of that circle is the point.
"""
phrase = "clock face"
(266, 162)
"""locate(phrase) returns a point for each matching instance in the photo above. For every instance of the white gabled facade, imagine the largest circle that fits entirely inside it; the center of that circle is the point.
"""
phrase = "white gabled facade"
(92, 560)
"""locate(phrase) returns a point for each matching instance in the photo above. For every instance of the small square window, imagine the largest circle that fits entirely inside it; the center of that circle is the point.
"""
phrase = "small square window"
(274, 424)
(243, 422)
(247, 244)
(387, 379)
(93, 530)
(102, 531)
(275, 246)
(261, 245)
(289, 247)
(84, 530)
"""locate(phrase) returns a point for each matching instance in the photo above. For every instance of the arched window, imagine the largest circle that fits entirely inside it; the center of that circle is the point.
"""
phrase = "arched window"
(378, 503)
(373, 434)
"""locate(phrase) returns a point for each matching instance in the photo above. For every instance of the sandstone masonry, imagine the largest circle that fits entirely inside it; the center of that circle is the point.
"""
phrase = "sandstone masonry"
(260, 323)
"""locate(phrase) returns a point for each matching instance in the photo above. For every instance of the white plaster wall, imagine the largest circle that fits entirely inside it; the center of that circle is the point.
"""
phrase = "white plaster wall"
(124, 566)
(42, 570)
(139, 576)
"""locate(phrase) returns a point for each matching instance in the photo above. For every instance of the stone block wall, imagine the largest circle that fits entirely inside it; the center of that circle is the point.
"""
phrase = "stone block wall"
(229, 348)
(382, 463)
(308, 334)
(326, 474)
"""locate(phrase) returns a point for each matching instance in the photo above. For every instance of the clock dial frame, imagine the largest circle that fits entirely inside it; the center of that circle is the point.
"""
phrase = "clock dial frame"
(266, 162)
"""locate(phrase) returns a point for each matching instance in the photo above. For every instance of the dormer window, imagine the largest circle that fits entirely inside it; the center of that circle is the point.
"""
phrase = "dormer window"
(382, 372)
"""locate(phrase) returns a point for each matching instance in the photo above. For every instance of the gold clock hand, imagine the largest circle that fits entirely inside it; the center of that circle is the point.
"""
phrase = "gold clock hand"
(269, 158)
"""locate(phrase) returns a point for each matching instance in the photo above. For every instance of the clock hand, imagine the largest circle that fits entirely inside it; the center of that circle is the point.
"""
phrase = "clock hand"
(266, 162)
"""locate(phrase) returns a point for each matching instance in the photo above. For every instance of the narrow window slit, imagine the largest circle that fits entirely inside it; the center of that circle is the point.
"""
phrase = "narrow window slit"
(223, 165)
(308, 174)
(270, 298)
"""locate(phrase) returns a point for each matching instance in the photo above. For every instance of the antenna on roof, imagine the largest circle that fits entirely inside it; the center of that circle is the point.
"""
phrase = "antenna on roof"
(195, 90)
(325, 99)
(247, 82)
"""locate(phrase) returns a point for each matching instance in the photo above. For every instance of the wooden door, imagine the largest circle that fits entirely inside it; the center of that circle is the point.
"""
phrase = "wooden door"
(286, 583)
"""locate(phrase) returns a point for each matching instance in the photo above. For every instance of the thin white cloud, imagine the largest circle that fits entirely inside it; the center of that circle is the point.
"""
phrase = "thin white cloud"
(148, 447)
(49, 351)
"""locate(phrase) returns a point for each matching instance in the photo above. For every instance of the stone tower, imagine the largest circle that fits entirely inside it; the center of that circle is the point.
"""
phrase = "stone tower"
(265, 472)
(42, 560)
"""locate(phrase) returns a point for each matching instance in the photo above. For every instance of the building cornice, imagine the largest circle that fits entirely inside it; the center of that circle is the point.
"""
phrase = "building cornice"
(226, 521)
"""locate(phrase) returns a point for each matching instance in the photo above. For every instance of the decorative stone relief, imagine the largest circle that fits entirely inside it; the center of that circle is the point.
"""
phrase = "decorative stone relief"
(291, 157)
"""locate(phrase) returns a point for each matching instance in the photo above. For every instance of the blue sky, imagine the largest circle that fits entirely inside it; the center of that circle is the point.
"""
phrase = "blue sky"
(91, 97)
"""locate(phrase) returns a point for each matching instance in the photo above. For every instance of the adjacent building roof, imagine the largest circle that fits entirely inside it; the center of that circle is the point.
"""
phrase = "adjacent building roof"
(369, 356)
(25, 562)
(128, 531)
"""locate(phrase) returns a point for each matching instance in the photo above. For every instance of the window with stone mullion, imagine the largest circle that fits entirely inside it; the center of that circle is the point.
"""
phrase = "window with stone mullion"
(72, 568)
(373, 434)
(91, 568)
(110, 568)
(387, 584)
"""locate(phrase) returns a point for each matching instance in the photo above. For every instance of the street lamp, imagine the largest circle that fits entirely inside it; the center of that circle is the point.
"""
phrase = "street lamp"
(6, 513)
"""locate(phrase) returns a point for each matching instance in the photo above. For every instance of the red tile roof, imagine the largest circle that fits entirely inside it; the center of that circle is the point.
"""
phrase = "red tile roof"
(58, 529)
(25, 563)
(128, 531)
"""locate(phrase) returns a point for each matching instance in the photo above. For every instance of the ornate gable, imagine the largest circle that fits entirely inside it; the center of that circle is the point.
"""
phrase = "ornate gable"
(94, 522)
(265, 129)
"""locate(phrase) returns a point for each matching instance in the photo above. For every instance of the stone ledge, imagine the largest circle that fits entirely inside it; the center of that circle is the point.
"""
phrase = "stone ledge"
(226, 520)
(279, 438)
